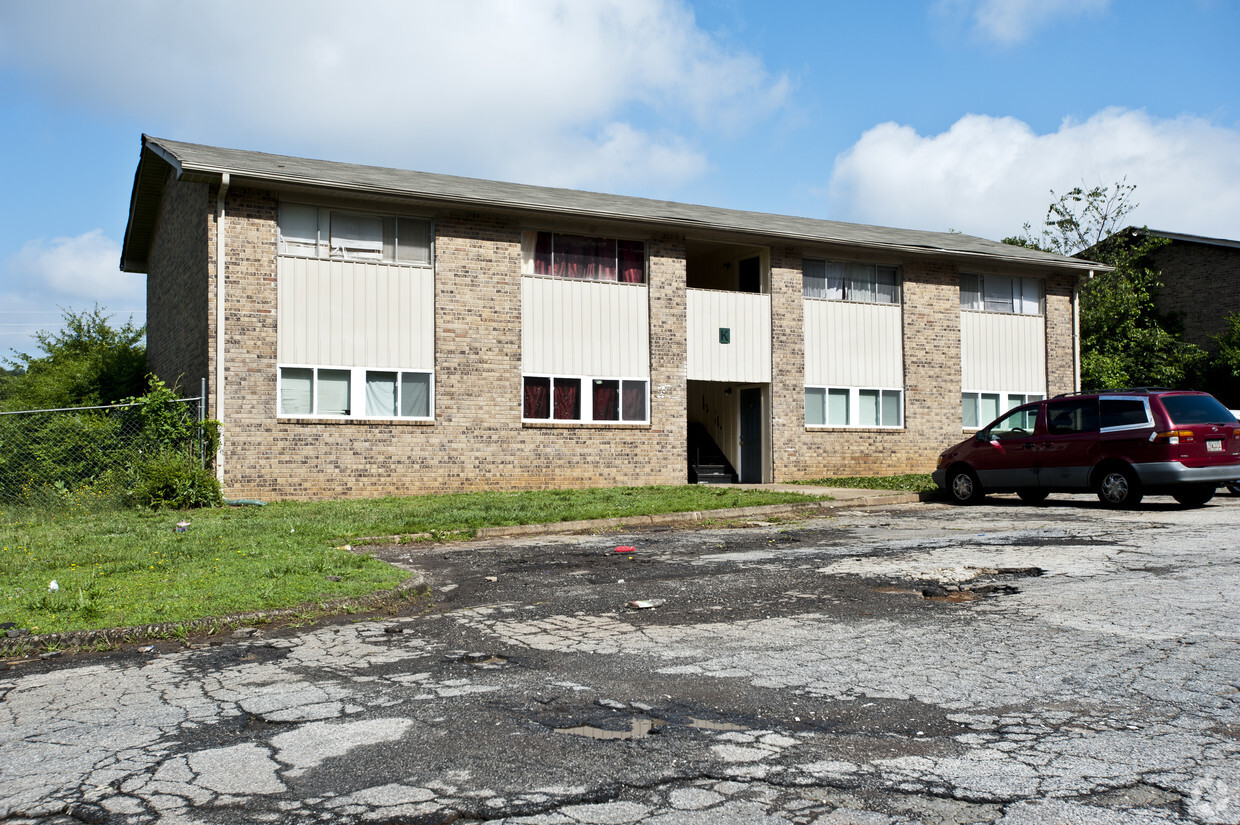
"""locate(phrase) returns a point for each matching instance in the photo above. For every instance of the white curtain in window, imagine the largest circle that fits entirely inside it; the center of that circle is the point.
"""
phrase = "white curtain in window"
(835, 281)
(814, 278)
(296, 391)
(415, 394)
(381, 394)
(970, 293)
(837, 408)
(357, 237)
(998, 290)
(529, 243)
(860, 283)
(815, 407)
(333, 392)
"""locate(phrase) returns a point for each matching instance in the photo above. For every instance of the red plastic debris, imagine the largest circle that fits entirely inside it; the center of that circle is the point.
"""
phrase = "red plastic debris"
(624, 548)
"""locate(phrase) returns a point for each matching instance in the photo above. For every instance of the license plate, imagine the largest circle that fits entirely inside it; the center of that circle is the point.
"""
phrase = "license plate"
(1214, 445)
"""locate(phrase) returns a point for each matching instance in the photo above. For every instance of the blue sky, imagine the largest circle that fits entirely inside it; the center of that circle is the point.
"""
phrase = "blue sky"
(934, 114)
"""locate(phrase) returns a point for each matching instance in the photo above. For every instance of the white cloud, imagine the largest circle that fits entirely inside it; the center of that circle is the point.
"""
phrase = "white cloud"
(78, 271)
(532, 90)
(987, 175)
(1008, 22)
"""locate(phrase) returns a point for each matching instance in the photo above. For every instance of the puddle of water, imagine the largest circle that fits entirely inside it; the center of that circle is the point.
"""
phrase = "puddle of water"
(642, 726)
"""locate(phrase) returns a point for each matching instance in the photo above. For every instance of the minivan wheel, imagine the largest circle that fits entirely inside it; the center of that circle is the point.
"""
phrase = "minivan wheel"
(964, 487)
(1194, 496)
(1032, 496)
(1118, 487)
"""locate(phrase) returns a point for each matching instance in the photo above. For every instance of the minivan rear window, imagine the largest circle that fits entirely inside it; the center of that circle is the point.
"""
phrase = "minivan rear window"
(1196, 409)
(1123, 412)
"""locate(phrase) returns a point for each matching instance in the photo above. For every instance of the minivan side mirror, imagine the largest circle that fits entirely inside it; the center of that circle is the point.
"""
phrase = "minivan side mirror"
(982, 436)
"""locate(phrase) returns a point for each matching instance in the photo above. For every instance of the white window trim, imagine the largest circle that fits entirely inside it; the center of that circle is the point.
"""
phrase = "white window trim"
(323, 250)
(357, 393)
(587, 400)
(1005, 404)
(854, 408)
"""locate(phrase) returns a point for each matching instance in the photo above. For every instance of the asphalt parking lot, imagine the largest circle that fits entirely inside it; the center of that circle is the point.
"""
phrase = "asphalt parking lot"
(909, 663)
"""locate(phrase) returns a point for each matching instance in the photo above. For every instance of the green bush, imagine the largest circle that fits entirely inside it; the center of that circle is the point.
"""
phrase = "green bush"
(168, 479)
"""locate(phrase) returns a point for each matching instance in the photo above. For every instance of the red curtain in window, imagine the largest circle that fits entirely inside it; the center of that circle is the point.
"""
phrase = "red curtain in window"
(568, 399)
(537, 398)
(542, 254)
(632, 262)
(606, 400)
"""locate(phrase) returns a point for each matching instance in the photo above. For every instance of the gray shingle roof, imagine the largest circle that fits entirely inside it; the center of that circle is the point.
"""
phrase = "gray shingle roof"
(206, 163)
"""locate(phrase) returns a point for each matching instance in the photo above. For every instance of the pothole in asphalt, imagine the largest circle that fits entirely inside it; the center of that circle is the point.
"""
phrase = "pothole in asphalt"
(959, 593)
(477, 659)
(642, 726)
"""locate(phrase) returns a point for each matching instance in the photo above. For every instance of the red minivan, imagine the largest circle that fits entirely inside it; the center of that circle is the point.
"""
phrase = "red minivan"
(1119, 444)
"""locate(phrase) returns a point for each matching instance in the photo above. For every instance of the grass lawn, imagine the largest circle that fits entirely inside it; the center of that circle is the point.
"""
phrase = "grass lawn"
(913, 482)
(125, 568)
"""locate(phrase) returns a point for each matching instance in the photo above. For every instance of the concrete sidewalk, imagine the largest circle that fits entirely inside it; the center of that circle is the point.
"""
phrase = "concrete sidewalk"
(842, 497)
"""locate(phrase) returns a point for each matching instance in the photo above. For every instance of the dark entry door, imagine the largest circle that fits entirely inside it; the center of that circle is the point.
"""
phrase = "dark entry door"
(751, 275)
(751, 436)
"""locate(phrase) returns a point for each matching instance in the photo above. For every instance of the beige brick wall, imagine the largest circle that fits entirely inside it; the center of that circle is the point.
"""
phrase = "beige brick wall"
(1060, 366)
(1201, 285)
(176, 288)
(931, 321)
(477, 440)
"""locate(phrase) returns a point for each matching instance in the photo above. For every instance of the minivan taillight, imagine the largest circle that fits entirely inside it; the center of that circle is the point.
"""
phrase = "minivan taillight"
(1172, 437)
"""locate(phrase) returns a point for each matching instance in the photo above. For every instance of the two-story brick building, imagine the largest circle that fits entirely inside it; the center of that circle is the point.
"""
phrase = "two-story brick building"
(386, 331)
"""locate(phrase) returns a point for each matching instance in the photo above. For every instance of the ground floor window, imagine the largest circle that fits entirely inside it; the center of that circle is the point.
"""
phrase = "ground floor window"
(977, 409)
(853, 407)
(355, 392)
(585, 399)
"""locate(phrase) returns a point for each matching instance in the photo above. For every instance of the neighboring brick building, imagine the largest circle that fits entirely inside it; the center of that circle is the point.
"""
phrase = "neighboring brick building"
(394, 332)
(1200, 280)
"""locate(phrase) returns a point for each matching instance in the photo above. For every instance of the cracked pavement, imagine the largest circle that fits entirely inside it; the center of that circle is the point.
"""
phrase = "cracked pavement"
(912, 664)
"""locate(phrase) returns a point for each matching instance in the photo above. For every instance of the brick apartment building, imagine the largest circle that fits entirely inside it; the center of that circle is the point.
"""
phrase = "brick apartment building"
(1200, 279)
(395, 332)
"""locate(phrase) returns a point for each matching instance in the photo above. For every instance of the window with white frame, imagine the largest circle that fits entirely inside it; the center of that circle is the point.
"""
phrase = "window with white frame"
(977, 409)
(355, 392)
(319, 232)
(1001, 293)
(850, 281)
(853, 407)
(584, 399)
(583, 257)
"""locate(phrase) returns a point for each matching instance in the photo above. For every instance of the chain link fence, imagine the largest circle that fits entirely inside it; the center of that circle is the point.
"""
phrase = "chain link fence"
(86, 455)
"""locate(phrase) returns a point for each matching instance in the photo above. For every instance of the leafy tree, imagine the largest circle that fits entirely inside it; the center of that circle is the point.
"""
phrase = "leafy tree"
(1125, 341)
(87, 362)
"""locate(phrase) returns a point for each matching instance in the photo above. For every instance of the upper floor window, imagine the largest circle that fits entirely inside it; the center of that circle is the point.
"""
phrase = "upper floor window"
(319, 232)
(843, 281)
(583, 257)
(1001, 293)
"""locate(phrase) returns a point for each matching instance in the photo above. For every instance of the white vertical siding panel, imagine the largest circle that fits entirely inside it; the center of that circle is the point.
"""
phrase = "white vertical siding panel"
(853, 344)
(748, 316)
(584, 328)
(1003, 352)
(334, 313)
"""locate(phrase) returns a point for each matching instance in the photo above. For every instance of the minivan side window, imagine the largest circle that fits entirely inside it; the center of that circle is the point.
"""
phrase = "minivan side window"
(1073, 416)
(1124, 413)
(1019, 422)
